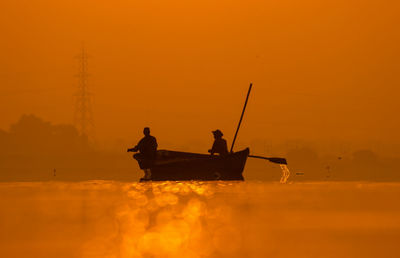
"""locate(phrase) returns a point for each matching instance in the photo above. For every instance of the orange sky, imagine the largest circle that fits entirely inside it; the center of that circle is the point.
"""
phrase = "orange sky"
(321, 69)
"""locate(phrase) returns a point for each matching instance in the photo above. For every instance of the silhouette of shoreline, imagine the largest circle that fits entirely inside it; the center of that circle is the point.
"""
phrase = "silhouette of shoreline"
(33, 149)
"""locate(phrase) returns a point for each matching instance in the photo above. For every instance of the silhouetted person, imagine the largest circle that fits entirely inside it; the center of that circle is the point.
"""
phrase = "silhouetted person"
(219, 145)
(147, 148)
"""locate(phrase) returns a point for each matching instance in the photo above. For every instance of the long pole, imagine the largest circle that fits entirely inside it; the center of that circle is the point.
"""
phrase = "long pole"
(241, 117)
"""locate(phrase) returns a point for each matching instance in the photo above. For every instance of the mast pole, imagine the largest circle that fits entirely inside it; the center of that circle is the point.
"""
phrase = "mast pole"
(241, 117)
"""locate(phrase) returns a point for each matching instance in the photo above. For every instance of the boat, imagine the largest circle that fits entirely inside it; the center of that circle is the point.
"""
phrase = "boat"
(181, 166)
(170, 165)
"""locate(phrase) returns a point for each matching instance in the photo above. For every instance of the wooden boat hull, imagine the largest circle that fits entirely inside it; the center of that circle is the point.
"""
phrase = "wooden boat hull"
(177, 166)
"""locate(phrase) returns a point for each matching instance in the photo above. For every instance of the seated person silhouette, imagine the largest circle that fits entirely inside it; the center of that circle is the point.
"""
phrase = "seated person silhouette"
(219, 145)
(147, 148)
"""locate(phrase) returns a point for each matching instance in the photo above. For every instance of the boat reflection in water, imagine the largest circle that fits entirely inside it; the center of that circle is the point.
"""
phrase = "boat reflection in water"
(198, 219)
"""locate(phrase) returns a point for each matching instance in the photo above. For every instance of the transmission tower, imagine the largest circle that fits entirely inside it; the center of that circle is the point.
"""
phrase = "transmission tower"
(83, 104)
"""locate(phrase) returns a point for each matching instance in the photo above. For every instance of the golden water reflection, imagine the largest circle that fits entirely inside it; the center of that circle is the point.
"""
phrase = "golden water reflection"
(199, 219)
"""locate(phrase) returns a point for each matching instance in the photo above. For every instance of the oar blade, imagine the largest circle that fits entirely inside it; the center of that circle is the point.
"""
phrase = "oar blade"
(278, 160)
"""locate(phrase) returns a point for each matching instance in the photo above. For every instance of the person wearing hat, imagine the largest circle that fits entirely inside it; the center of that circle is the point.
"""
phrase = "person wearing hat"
(219, 145)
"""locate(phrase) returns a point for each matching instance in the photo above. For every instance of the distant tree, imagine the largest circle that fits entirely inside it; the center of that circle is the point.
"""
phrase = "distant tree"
(365, 156)
(31, 135)
(307, 161)
(366, 165)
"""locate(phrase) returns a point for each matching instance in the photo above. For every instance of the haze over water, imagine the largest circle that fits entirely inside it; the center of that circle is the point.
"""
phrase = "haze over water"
(199, 219)
(326, 97)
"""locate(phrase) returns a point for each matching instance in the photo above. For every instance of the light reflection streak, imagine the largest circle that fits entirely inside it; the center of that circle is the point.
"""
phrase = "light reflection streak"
(174, 221)
(285, 174)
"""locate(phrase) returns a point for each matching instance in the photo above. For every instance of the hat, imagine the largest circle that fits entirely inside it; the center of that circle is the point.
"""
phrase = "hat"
(217, 133)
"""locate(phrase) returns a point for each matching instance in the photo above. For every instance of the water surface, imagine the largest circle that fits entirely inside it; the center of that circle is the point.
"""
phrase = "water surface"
(199, 219)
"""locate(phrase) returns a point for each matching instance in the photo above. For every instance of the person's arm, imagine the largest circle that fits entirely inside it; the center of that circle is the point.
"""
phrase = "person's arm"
(136, 148)
(212, 151)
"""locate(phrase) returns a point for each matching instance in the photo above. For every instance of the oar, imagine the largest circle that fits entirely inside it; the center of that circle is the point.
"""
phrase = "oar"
(241, 117)
(272, 159)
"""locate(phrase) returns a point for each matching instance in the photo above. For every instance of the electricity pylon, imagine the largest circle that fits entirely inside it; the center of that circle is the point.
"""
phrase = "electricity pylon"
(83, 117)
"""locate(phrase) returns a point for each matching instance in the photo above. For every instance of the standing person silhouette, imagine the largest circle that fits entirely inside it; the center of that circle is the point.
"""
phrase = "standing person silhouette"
(219, 145)
(147, 148)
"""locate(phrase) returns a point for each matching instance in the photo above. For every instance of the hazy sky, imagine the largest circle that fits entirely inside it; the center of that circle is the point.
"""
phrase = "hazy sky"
(321, 69)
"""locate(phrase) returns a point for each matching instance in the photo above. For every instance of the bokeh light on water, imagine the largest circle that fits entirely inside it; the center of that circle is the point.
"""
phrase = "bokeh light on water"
(199, 219)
